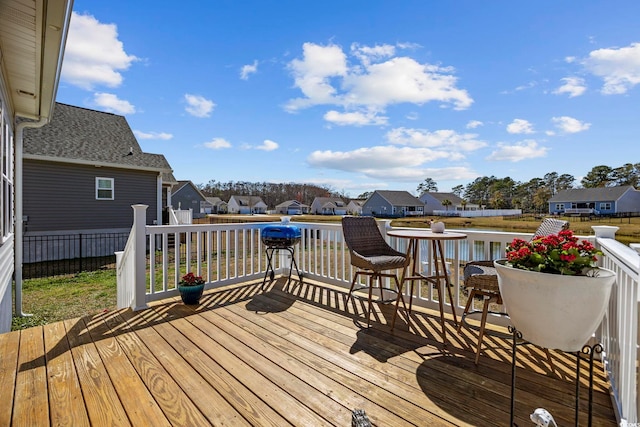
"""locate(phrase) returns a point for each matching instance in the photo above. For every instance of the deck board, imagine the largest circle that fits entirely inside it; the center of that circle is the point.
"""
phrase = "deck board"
(282, 357)
(32, 407)
(65, 394)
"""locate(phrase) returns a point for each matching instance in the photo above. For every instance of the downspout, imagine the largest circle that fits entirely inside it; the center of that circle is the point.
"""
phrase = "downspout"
(19, 222)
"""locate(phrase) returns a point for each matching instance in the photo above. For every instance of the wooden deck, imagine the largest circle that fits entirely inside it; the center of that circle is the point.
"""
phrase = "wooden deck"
(276, 358)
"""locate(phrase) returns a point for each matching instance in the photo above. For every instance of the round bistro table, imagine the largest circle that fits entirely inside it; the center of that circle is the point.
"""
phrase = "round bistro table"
(441, 275)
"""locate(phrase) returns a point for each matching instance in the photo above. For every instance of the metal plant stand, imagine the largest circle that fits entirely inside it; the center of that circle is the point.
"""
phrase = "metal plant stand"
(587, 353)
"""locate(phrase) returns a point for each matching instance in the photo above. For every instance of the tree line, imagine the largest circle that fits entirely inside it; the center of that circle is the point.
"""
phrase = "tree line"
(533, 196)
(489, 192)
(271, 193)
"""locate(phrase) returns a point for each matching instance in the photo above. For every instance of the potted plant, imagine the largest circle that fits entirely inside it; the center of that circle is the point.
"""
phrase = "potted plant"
(554, 292)
(191, 288)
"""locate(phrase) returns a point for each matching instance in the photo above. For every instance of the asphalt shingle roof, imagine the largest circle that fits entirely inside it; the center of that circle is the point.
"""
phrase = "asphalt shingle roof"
(400, 198)
(80, 135)
(590, 194)
(446, 196)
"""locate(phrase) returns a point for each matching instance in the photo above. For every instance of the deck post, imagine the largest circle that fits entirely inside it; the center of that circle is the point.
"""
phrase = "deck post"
(140, 255)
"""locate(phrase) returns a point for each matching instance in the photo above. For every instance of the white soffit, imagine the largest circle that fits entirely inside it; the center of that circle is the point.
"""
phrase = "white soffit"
(32, 37)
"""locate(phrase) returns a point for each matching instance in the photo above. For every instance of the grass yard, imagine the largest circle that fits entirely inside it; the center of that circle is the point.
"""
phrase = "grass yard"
(51, 299)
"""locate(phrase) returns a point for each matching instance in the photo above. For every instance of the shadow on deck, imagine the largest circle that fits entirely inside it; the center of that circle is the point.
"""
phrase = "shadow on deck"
(287, 356)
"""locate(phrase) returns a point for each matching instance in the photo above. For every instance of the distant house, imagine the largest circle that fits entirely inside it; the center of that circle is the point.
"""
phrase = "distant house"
(215, 205)
(328, 206)
(292, 207)
(185, 195)
(596, 201)
(354, 207)
(388, 203)
(84, 170)
(246, 205)
(434, 202)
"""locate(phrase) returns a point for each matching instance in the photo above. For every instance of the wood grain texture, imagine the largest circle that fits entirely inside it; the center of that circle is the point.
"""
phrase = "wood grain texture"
(277, 358)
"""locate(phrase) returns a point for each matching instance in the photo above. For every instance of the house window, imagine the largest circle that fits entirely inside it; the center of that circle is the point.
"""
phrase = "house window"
(559, 206)
(104, 188)
(6, 188)
(605, 206)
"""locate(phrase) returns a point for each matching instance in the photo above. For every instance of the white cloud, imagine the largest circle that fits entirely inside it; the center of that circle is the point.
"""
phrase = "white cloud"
(445, 140)
(217, 144)
(574, 86)
(618, 67)
(527, 149)
(377, 80)
(246, 70)
(411, 175)
(389, 163)
(312, 74)
(356, 118)
(404, 80)
(520, 126)
(474, 124)
(570, 125)
(370, 159)
(93, 54)
(110, 102)
(152, 135)
(198, 106)
(367, 54)
(268, 145)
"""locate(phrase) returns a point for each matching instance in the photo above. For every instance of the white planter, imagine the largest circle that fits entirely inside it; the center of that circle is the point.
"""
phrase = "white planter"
(552, 310)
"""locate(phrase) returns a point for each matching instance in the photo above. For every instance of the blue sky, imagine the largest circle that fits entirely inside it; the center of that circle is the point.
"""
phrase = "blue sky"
(364, 95)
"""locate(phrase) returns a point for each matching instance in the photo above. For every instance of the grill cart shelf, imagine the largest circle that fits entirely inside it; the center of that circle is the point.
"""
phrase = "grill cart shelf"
(276, 238)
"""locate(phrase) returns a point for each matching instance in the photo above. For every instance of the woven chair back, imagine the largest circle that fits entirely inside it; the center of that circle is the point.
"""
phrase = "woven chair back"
(362, 235)
(550, 226)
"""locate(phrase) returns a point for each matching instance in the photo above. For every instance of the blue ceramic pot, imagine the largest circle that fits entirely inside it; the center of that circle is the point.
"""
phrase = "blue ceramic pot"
(191, 294)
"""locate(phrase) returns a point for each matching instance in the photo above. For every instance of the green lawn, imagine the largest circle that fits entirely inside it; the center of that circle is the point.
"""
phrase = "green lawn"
(64, 297)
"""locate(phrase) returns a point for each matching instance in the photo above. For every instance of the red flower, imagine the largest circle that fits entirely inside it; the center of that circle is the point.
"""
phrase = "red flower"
(560, 253)
(191, 279)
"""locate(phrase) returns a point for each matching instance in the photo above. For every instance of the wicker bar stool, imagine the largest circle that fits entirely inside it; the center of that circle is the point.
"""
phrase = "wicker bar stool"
(481, 280)
(372, 256)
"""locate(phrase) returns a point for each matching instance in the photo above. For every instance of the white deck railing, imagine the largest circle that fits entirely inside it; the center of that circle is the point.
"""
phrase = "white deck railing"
(224, 254)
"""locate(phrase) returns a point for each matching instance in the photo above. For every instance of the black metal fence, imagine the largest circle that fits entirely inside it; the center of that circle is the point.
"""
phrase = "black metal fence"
(60, 254)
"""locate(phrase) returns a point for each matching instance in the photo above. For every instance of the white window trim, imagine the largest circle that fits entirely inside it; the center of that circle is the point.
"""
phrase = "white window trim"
(113, 195)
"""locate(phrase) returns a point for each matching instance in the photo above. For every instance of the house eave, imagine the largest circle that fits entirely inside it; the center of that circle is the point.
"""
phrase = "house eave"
(35, 33)
(94, 163)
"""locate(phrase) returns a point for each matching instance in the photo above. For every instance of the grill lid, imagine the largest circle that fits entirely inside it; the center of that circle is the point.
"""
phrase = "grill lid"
(280, 235)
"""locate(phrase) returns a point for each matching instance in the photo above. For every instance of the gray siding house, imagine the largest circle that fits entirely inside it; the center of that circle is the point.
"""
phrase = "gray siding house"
(215, 205)
(388, 203)
(596, 201)
(83, 171)
(185, 195)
